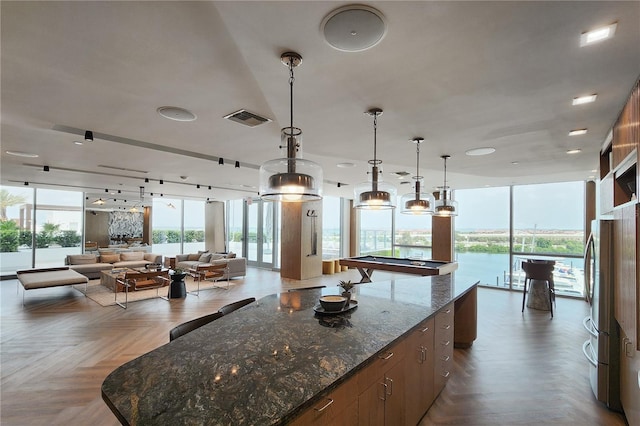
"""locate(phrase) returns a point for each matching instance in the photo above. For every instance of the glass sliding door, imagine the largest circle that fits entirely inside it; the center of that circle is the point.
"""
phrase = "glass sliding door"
(59, 219)
(260, 236)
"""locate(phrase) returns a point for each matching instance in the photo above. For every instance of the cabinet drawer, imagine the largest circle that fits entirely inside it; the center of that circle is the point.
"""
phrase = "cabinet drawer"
(383, 361)
(341, 402)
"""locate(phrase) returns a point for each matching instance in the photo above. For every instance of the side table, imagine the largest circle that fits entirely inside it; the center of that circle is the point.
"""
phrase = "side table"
(170, 262)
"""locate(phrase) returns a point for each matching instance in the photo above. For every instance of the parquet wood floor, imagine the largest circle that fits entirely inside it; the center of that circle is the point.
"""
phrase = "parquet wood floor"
(57, 349)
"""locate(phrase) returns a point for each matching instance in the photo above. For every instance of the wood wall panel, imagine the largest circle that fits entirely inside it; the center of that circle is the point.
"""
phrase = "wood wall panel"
(298, 261)
(626, 131)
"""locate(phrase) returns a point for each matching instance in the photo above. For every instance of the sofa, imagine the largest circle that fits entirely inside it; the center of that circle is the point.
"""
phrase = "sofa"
(90, 265)
(237, 266)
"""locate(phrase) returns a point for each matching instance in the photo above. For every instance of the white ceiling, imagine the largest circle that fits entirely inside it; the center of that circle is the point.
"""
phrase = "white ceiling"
(461, 75)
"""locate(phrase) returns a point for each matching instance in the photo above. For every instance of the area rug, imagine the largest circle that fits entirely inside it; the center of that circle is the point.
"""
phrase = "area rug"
(105, 297)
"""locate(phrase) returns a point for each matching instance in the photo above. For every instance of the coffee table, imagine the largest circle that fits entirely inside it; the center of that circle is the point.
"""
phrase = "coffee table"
(110, 278)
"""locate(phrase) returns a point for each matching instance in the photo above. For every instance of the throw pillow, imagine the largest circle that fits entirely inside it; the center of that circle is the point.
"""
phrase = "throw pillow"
(203, 251)
(81, 259)
(204, 258)
(109, 258)
(231, 255)
(132, 255)
(216, 256)
(193, 256)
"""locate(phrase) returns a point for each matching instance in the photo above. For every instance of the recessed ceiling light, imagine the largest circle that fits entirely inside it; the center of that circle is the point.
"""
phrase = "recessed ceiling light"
(176, 113)
(584, 99)
(599, 34)
(515, 163)
(345, 165)
(578, 132)
(78, 142)
(22, 154)
(480, 151)
(574, 151)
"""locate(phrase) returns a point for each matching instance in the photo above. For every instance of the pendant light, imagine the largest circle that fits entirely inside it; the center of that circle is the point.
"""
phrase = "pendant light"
(445, 206)
(291, 179)
(374, 194)
(418, 203)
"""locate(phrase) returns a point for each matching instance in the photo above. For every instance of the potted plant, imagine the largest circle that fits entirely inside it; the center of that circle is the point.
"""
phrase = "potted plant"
(346, 289)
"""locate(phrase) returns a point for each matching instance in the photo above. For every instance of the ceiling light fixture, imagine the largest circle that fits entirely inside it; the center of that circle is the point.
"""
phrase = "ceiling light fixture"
(574, 151)
(22, 154)
(374, 194)
(88, 136)
(417, 202)
(578, 132)
(176, 113)
(26, 184)
(221, 161)
(161, 182)
(45, 169)
(146, 180)
(198, 186)
(291, 179)
(209, 187)
(237, 164)
(99, 201)
(476, 152)
(581, 100)
(445, 206)
(599, 34)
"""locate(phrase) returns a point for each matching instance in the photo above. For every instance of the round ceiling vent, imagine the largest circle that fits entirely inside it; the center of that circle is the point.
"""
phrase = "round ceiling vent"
(176, 113)
(354, 28)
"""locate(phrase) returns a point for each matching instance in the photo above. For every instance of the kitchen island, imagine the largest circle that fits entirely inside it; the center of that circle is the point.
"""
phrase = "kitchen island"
(276, 361)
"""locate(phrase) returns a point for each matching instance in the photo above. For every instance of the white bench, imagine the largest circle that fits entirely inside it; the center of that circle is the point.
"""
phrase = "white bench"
(49, 277)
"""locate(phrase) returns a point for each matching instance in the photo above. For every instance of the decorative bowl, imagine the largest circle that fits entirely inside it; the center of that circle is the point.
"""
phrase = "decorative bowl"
(333, 303)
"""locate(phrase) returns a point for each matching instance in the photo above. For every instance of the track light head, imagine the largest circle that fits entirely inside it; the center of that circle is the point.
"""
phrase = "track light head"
(146, 180)
(88, 136)
(221, 161)
(237, 164)
(45, 169)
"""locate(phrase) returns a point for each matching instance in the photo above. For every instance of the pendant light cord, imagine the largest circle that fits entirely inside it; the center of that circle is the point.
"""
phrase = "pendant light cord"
(291, 80)
(375, 133)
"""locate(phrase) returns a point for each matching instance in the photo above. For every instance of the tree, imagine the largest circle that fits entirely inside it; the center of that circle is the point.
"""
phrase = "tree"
(9, 236)
(8, 199)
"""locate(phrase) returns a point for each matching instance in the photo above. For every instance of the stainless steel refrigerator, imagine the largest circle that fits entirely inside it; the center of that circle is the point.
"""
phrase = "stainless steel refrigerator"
(602, 347)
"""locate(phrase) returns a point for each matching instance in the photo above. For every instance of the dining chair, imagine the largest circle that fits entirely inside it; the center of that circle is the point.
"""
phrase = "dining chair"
(540, 271)
(189, 326)
(227, 309)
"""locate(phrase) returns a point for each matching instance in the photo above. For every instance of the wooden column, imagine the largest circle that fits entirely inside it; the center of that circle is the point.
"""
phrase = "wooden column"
(301, 240)
(146, 226)
(442, 238)
(354, 228)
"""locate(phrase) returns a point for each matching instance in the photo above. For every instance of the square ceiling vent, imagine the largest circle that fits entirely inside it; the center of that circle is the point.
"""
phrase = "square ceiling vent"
(247, 118)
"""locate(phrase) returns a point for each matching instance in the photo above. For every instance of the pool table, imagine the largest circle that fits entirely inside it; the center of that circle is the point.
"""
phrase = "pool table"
(367, 264)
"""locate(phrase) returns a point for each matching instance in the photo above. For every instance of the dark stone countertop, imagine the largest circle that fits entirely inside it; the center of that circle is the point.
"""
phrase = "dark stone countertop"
(266, 362)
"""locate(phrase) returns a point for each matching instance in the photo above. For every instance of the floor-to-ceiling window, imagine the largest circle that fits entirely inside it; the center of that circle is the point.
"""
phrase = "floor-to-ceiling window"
(412, 235)
(235, 220)
(16, 227)
(482, 234)
(548, 223)
(194, 221)
(331, 227)
(376, 236)
(58, 226)
(166, 224)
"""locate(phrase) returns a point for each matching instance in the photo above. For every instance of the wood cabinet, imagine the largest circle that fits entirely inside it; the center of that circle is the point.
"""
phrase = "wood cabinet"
(625, 231)
(340, 407)
(381, 387)
(443, 348)
(419, 362)
(630, 380)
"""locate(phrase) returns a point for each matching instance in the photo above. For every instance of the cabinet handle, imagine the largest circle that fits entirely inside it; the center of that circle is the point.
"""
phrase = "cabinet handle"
(445, 358)
(626, 342)
(321, 409)
(448, 311)
(424, 330)
(445, 374)
(384, 392)
(389, 355)
(446, 327)
(390, 387)
(447, 343)
(421, 350)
